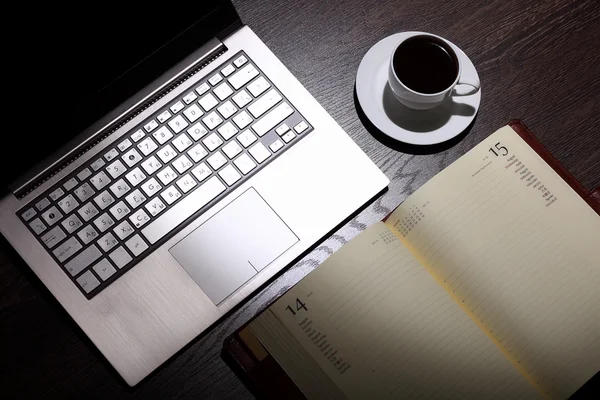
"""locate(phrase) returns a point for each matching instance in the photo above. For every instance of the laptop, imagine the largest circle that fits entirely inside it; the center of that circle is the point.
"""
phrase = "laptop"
(168, 166)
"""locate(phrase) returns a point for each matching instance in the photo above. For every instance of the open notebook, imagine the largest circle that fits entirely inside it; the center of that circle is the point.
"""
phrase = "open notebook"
(482, 284)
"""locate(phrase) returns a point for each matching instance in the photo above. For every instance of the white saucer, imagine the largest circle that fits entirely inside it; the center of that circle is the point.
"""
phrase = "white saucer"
(399, 122)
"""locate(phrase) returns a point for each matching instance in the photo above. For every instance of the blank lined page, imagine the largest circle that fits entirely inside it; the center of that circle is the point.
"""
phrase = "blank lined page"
(518, 249)
(380, 326)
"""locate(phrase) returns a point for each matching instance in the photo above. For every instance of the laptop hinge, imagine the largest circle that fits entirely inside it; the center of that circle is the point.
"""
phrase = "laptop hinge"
(134, 106)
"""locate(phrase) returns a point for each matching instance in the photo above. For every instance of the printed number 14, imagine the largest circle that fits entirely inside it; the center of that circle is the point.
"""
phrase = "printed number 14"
(299, 306)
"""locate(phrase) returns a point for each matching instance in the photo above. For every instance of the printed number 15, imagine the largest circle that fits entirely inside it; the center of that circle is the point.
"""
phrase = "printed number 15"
(503, 150)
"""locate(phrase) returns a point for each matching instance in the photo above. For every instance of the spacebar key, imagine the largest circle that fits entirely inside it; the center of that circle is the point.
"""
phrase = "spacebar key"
(183, 210)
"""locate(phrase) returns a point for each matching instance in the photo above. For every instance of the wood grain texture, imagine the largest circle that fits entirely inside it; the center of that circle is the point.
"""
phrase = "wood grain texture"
(538, 61)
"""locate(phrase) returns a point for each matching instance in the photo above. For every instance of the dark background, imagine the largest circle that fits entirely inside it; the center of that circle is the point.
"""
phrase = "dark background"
(538, 61)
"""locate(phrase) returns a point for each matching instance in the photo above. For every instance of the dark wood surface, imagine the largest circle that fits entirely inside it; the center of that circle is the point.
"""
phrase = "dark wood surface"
(538, 61)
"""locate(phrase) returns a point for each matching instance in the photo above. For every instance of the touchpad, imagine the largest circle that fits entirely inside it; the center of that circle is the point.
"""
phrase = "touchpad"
(234, 245)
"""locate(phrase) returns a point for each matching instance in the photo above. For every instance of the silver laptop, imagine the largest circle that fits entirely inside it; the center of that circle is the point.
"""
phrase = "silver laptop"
(171, 167)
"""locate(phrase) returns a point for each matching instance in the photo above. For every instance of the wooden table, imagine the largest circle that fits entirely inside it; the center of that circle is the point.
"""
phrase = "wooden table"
(538, 61)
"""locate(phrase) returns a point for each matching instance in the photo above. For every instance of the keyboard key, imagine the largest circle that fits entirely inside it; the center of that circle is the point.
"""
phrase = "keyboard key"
(155, 206)
(166, 175)
(242, 98)
(151, 165)
(213, 80)
(232, 149)
(174, 216)
(177, 124)
(37, 226)
(71, 223)
(88, 211)
(104, 222)
(137, 135)
(228, 70)
(67, 249)
(88, 281)
(116, 169)
(139, 218)
(84, 192)
(135, 198)
(265, 103)
(201, 172)
(175, 108)
(246, 138)
(230, 175)
(259, 152)
(243, 76)
(100, 180)
(131, 158)
(120, 210)
(147, 146)
(68, 204)
(227, 131)
(57, 194)
(227, 109)
(104, 199)
(119, 188)
(83, 260)
(52, 216)
(163, 135)
(70, 184)
(197, 131)
(164, 116)
(84, 174)
(244, 163)
(87, 234)
(186, 183)
(124, 145)
(208, 102)
(223, 91)
(104, 269)
(99, 163)
(182, 142)
(212, 142)
(197, 153)
(150, 187)
(241, 60)
(212, 120)
(242, 120)
(301, 127)
(136, 245)
(123, 230)
(288, 136)
(150, 126)
(182, 164)
(193, 112)
(202, 89)
(276, 146)
(53, 237)
(274, 117)
(190, 97)
(111, 155)
(171, 194)
(259, 86)
(217, 160)
(120, 257)
(283, 128)
(135, 177)
(107, 242)
(166, 154)
(28, 214)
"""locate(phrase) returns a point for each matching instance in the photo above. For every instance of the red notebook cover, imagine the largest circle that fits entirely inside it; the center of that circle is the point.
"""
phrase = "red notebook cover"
(265, 378)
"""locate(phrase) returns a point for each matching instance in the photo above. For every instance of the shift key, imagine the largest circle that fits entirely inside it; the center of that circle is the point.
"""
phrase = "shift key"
(83, 260)
(67, 249)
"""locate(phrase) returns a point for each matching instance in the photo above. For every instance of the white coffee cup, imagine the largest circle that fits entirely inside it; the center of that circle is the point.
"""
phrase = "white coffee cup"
(421, 100)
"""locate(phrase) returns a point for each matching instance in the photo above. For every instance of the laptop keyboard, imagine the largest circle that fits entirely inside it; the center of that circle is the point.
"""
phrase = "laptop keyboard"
(115, 210)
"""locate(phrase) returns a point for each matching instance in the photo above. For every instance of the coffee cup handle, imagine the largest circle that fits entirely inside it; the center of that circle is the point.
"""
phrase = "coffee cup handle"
(466, 86)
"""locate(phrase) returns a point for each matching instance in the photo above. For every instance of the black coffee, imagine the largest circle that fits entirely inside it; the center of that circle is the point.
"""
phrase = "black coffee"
(425, 64)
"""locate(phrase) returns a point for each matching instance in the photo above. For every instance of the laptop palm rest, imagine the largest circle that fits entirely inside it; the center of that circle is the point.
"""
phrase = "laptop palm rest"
(234, 245)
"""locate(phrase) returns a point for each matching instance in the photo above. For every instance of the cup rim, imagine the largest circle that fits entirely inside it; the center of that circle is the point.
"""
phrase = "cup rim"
(425, 34)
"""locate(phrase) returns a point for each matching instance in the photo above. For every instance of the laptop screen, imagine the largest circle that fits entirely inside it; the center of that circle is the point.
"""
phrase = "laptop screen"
(74, 63)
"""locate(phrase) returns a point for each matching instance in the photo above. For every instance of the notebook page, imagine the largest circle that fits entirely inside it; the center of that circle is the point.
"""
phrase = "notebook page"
(518, 250)
(380, 326)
